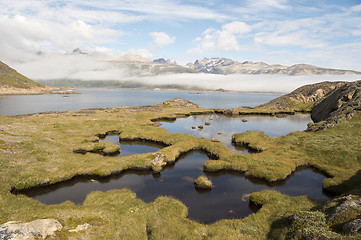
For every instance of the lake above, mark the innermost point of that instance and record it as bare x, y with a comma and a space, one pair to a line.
108, 98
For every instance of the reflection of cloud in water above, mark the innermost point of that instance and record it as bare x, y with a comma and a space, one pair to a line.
271, 126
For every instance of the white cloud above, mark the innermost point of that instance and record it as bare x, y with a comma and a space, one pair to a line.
225, 39
161, 39
267, 4
240, 82
305, 33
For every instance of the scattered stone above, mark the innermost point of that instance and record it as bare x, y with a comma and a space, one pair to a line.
80, 228
40, 228
207, 123
203, 182
200, 127
220, 133
345, 211
158, 159
353, 227
193, 127
244, 120
231, 112
310, 225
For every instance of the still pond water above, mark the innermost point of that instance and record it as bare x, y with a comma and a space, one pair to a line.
222, 127
107, 98
228, 199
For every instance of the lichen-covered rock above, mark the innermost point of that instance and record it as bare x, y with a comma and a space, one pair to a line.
353, 227
343, 210
80, 228
310, 225
40, 228
158, 159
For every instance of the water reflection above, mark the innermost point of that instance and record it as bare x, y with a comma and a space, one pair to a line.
128, 148
228, 198
108, 98
223, 127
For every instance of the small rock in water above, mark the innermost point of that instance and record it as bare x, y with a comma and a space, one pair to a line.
220, 133
193, 127
244, 120
200, 127
207, 123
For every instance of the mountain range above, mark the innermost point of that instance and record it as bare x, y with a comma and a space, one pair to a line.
139, 66
229, 66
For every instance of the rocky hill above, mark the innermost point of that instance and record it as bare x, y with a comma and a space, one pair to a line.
328, 102
12, 82
303, 98
228, 66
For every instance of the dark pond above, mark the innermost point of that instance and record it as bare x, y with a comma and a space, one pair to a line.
227, 126
133, 147
107, 98
228, 198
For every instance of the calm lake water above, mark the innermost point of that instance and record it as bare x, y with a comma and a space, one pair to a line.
107, 98
227, 126
132, 147
228, 199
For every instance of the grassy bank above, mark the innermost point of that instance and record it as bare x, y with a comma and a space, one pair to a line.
38, 149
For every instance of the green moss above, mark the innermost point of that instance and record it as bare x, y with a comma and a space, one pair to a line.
203, 182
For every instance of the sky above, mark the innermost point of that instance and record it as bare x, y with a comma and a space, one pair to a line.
325, 33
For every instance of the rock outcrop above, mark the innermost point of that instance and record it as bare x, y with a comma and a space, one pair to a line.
339, 104
337, 219
304, 97
40, 228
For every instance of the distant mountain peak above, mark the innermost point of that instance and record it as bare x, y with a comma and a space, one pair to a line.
220, 65
77, 51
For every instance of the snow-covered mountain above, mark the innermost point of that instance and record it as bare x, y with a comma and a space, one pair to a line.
228, 66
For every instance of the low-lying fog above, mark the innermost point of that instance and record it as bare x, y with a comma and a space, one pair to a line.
88, 67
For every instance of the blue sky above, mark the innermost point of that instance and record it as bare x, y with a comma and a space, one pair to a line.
323, 33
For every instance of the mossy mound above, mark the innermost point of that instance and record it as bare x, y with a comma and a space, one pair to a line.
203, 182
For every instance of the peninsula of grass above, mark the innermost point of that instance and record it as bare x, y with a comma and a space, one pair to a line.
38, 149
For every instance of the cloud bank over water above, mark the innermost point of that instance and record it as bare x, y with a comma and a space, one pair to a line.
246, 83
98, 67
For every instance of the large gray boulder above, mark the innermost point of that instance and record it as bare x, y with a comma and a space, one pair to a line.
40, 228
